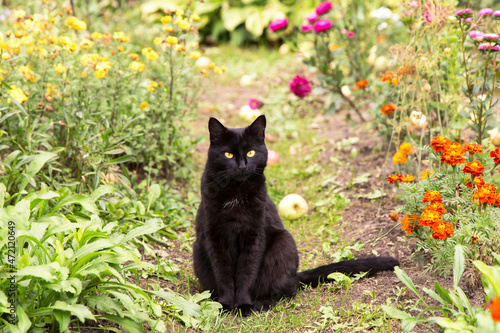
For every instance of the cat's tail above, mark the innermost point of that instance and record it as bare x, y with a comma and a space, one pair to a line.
371, 265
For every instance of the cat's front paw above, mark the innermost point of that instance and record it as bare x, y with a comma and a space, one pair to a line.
245, 310
227, 303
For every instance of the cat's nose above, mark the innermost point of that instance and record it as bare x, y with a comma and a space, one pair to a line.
242, 167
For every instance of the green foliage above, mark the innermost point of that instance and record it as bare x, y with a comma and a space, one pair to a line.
457, 313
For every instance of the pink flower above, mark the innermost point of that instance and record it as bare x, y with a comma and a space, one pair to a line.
413, 4
343, 31
323, 7
300, 86
278, 24
312, 17
496, 13
485, 11
408, 13
322, 25
350, 34
490, 36
306, 27
428, 16
464, 13
489, 46
468, 20
255, 103
476, 34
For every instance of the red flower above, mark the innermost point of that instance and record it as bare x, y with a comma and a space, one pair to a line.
300, 86
486, 194
495, 155
388, 109
362, 84
432, 196
429, 218
495, 308
394, 178
442, 230
437, 207
473, 148
478, 182
440, 143
453, 155
475, 168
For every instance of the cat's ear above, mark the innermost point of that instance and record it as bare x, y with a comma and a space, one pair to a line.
258, 128
217, 130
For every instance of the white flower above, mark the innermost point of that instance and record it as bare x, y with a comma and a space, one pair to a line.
382, 13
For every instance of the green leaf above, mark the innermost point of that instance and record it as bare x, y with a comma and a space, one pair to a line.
344, 280
443, 293
151, 226
63, 318
154, 193
395, 313
77, 310
24, 322
100, 191
188, 308
255, 23
81, 199
44, 272
458, 266
489, 274
34, 167
232, 17
434, 295
94, 247
128, 325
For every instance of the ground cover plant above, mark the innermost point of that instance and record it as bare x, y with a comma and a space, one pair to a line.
103, 139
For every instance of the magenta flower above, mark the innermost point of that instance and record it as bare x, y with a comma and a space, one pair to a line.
496, 13
489, 46
300, 86
255, 103
464, 13
312, 17
476, 34
350, 34
323, 7
322, 25
278, 24
485, 11
468, 20
490, 36
306, 27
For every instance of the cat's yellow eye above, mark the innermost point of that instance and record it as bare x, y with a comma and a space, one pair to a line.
228, 155
251, 153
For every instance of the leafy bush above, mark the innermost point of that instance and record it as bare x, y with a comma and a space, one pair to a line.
453, 204
458, 314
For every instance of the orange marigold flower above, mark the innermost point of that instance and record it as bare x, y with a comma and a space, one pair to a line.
454, 154
362, 84
440, 143
426, 173
405, 148
475, 168
495, 308
387, 77
394, 216
407, 225
394, 178
495, 155
388, 109
442, 230
408, 178
399, 158
437, 207
403, 70
486, 194
429, 218
473, 148
432, 196
478, 182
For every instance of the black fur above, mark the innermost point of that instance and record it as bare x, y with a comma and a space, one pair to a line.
242, 253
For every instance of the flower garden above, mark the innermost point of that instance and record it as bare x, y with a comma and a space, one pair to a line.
384, 115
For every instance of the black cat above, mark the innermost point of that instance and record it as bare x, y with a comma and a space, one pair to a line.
242, 253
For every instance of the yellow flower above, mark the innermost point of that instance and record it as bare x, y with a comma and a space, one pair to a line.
60, 69
223, 69
158, 40
195, 45
96, 35
136, 66
195, 17
172, 40
333, 47
100, 74
144, 105
408, 178
83, 74
64, 40
218, 70
121, 48
89, 60
133, 56
426, 173
169, 29
150, 54
75, 23
405, 148
399, 158
71, 47
18, 94
204, 72
166, 19
195, 54
152, 86
184, 24
86, 44
104, 66
179, 12
179, 48
121, 37
212, 65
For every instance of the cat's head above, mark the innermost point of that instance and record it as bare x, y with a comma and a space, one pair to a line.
237, 153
